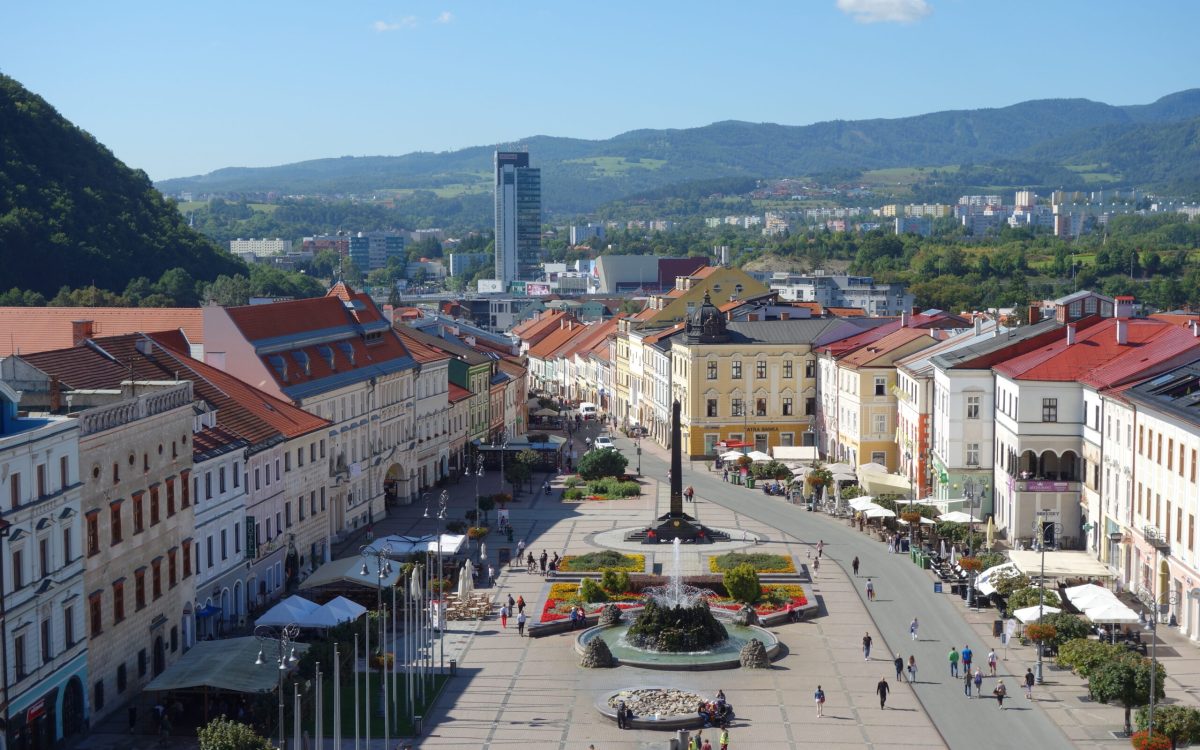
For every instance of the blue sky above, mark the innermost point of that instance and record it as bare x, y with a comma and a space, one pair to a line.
183, 88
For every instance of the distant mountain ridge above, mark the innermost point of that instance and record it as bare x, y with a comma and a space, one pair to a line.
580, 174
72, 214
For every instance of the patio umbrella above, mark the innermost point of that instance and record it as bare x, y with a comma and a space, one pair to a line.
759, 456
731, 456
1032, 614
843, 468
466, 583
844, 476
954, 555
942, 549
862, 503
879, 512
483, 552
872, 467
991, 533
957, 516
1111, 612
545, 413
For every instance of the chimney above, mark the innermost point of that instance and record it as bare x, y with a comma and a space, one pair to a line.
978, 326
80, 330
1122, 331
1070, 334
904, 319
1196, 328
1124, 307
1035, 313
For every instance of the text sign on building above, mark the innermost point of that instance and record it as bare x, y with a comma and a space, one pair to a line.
251, 538
1042, 486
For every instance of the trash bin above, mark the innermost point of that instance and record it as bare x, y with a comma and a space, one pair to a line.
926, 562
937, 587
962, 591
453, 667
904, 545
750, 482
997, 628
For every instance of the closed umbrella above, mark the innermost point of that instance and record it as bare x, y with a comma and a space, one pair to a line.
942, 549
483, 552
466, 583
991, 533
954, 555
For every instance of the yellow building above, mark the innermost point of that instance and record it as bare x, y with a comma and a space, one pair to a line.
720, 284
752, 382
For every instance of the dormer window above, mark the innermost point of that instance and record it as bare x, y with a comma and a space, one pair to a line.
327, 354
279, 365
302, 360
347, 350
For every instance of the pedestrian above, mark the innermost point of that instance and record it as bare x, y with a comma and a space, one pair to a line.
521, 624
953, 659
511, 603
491, 575
966, 657
967, 684
689, 493
696, 740
724, 739
543, 560
725, 476
866, 646
912, 669
882, 691
991, 657
870, 591
899, 667
816, 566
520, 549
978, 681
819, 697
521, 605
1000, 691
854, 565
504, 610
912, 628
622, 716
820, 548
1029, 684
707, 745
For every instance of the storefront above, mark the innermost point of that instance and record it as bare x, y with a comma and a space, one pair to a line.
51, 711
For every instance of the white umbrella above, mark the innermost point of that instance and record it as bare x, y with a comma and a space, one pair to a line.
759, 456
942, 549
483, 552
879, 512
1089, 595
872, 467
1111, 612
843, 468
465, 583
731, 456
1032, 614
843, 476
861, 503
957, 516
954, 555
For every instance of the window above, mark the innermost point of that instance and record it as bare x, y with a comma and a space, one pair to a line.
712, 370
44, 556
209, 546
299, 457
143, 663
973, 407
14, 490
1193, 478
224, 544
187, 557
172, 568
1170, 454
787, 368
1181, 458
18, 569
208, 485
1141, 450
118, 601
287, 461
170, 497
116, 472
98, 695
93, 533
880, 386
810, 368
47, 642
156, 577
19, 656
64, 472
138, 524
41, 481
787, 438
787, 406
139, 588
810, 406
121, 678
760, 407
96, 613
237, 477
287, 508
257, 478
1049, 410
237, 536
221, 480
66, 541
711, 407
879, 423
154, 518
760, 369
114, 522
184, 488
737, 368
879, 457
322, 499
69, 626
972, 454
738, 408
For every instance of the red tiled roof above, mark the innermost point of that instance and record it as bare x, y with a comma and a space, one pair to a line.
658, 336
539, 327
865, 355
1179, 319
458, 393
420, 351
596, 332
844, 312
258, 322
919, 321
1097, 357
556, 340
38, 329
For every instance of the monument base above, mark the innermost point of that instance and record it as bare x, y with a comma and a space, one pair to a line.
682, 527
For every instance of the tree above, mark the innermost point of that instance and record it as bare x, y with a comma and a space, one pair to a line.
741, 583
229, 291
1126, 680
517, 473
606, 462
225, 734
1083, 655
1178, 723
179, 285
1068, 626
324, 263
1029, 597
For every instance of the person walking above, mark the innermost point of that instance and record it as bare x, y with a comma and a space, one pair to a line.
870, 591
520, 549
724, 739
707, 745
912, 628
521, 605
725, 476
521, 624
491, 575
1000, 691
504, 610
820, 548
690, 494
899, 662
1029, 684
912, 669
991, 658
953, 659
819, 697
967, 684
543, 560
966, 657
816, 566
866, 646
854, 565
978, 680
882, 691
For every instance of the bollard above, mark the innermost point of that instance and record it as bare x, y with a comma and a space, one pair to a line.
453, 667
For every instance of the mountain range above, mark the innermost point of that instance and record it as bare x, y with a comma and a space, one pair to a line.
1149, 146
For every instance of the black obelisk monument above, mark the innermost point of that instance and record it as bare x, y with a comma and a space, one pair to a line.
676, 463
676, 524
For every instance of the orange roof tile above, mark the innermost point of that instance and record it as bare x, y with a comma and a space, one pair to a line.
419, 350
1097, 357
865, 355
458, 393
557, 340
38, 329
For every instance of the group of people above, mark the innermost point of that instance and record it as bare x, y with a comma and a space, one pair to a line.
506, 611
544, 563
715, 711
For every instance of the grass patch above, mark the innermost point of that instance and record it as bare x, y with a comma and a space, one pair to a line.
616, 166
761, 562
606, 559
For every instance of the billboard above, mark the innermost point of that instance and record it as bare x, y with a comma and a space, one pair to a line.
490, 286
536, 289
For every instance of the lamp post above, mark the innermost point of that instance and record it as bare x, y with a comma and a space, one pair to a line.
502, 441
383, 568
478, 476
969, 489
638, 443
1040, 526
283, 639
1161, 546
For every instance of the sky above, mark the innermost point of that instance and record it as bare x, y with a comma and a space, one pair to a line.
179, 89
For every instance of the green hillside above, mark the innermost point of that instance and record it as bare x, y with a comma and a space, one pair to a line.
72, 214
579, 175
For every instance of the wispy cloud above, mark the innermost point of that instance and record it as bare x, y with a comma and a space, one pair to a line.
407, 22
444, 17
885, 11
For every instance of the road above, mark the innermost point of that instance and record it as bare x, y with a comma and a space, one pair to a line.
903, 591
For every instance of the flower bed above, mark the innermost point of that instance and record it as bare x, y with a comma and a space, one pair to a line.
776, 598
564, 596
608, 560
762, 563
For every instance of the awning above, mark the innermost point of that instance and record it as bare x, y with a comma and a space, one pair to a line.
333, 613
1060, 564
208, 611
794, 453
290, 611
957, 516
1034, 613
871, 468
348, 572
924, 521
402, 546
878, 512
227, 664
983, 582
882, 483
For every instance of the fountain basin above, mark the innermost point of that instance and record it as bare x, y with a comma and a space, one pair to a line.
651, 716
724, 655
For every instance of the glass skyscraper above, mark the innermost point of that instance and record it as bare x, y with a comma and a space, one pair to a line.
518, 190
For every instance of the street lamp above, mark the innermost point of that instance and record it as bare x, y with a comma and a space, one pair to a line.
1161, 546
969, 489
284, 641
383, 568
478, 476
502, 441
1041, 526
638, 442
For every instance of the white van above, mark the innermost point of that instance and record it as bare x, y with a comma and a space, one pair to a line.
587, 410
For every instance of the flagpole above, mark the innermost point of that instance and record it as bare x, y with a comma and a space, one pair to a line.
317, 723
354, 674
337, 697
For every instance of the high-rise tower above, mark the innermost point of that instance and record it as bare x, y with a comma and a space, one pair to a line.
518, 190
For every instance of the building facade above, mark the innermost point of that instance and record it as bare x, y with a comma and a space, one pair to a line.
518, 199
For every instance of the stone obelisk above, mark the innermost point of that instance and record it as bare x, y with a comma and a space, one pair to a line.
676, 463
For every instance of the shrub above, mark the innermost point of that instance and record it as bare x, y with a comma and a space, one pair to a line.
1144, 741
1083, 655
1028, 597
742, 583
573, 494
456, 527
224, 734
478, 532
991, 559
572, 482
1178, 723
626, 489
383, 661
604, 560
1009, 581
607, 462
1068, 627
770, 470
590, 591
616, 581
501, 499
760, 561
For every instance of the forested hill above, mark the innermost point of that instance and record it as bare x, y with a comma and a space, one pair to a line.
72, 214
579, 174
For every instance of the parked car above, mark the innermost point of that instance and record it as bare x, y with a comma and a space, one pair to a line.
605, 441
